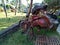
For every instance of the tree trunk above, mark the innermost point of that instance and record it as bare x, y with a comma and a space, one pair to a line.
19, 6
16, 1
4, 7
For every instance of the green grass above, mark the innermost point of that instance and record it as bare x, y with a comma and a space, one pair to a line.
15, 39
6, 22
10, 20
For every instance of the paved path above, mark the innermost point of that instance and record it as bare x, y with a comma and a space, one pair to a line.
44, 40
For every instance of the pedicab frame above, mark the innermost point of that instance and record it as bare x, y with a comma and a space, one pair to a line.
26, 26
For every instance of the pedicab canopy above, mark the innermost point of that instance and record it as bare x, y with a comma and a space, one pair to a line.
38, 6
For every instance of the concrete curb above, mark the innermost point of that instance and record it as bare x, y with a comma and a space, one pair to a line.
11, 29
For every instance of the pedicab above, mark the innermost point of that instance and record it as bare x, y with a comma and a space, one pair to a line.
37, 19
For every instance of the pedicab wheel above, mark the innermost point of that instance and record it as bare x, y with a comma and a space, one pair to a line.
30, 34
23, 26
20, 23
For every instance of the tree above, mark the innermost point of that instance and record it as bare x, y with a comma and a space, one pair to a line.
52, 3
7, 1
19, 6
27, 2
16, 2
12, 2
4, 6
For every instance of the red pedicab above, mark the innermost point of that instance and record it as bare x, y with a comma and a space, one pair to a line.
36, 21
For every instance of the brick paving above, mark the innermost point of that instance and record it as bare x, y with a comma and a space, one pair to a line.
44, 40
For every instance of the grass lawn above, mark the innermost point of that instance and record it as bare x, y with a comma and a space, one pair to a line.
15, 39
11, 19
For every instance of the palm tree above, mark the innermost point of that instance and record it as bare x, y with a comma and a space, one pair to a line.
4, 6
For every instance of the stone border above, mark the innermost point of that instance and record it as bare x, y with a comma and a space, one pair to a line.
11, 29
